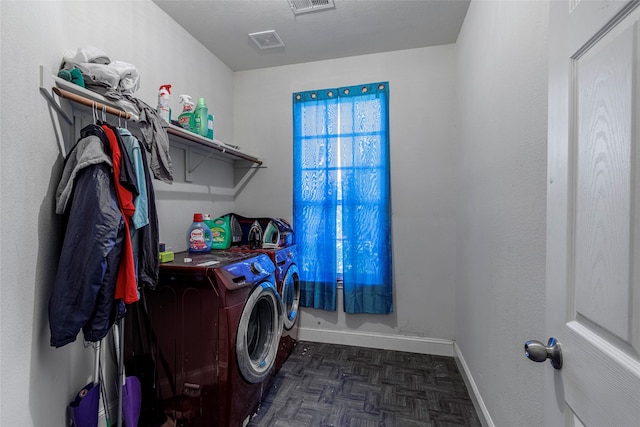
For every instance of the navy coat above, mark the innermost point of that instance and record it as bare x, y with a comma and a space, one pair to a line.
83, 289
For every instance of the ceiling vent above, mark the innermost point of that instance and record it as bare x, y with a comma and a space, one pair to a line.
267, 39
304, 6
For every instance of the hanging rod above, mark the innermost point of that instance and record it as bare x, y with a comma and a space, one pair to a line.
171, 129
50, 83
90, 103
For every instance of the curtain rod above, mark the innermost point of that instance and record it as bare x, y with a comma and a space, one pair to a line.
90, 103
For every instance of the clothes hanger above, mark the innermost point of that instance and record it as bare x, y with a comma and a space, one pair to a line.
95, 129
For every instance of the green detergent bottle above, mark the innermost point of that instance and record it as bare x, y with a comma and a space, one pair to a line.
220, 233
207, 220
201, 117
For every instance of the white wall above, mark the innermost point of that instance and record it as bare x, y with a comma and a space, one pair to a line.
37, 380
423, 180
500, 282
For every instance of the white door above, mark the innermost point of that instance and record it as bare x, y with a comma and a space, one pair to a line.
593, 213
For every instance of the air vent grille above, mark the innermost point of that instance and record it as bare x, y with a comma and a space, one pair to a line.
267, 39
304, 6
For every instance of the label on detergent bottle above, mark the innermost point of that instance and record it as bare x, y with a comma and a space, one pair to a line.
218, 235
198, 240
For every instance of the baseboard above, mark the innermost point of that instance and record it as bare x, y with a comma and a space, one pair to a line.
423, 345
474, 393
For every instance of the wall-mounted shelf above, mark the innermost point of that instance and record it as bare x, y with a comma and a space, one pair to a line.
200, 141
56, 89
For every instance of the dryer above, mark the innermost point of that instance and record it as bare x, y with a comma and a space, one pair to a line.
288, 285
215, 321
284, 253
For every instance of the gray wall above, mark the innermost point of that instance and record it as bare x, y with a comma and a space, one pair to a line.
500, 265
423, 180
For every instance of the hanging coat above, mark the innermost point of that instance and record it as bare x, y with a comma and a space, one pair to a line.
83, 289
126, 284
149, 237
145, 218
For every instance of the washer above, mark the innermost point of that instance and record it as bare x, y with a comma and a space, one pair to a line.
216, 322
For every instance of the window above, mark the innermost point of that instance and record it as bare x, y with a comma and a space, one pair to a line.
342, 197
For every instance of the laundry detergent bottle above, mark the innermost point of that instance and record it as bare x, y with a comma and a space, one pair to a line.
221, 233
207, 220
186, 118
201, 117
199, 235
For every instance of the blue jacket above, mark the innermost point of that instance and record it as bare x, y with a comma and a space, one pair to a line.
83, 289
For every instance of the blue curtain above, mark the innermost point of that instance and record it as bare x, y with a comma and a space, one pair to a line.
341, 170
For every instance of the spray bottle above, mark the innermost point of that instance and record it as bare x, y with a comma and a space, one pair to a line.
164, 102
186, 118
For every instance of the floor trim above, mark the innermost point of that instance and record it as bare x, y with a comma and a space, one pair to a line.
474, 393
423, 345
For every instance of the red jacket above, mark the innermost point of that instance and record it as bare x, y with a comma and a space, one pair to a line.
126, 284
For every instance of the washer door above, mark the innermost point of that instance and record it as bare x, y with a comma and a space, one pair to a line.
259, 333
291, 296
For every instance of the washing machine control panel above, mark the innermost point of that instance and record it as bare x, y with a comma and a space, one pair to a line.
257, 269
248, 272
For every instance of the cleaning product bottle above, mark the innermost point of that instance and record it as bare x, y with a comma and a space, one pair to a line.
186, 118
207, 220
200, 117
199, 235
221, 233
164, 102
210, 127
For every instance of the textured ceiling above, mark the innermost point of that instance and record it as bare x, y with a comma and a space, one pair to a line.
353, 27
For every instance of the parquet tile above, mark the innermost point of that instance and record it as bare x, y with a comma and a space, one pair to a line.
323, 385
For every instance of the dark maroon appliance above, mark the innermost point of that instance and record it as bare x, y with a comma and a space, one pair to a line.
288, 285
215, 323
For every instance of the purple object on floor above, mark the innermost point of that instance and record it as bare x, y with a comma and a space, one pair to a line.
83, 411
131, 401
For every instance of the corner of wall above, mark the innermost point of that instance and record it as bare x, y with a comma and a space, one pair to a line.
472, 388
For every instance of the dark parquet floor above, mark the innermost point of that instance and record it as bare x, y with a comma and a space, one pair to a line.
323, 385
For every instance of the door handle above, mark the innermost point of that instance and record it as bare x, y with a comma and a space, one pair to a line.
538, 352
